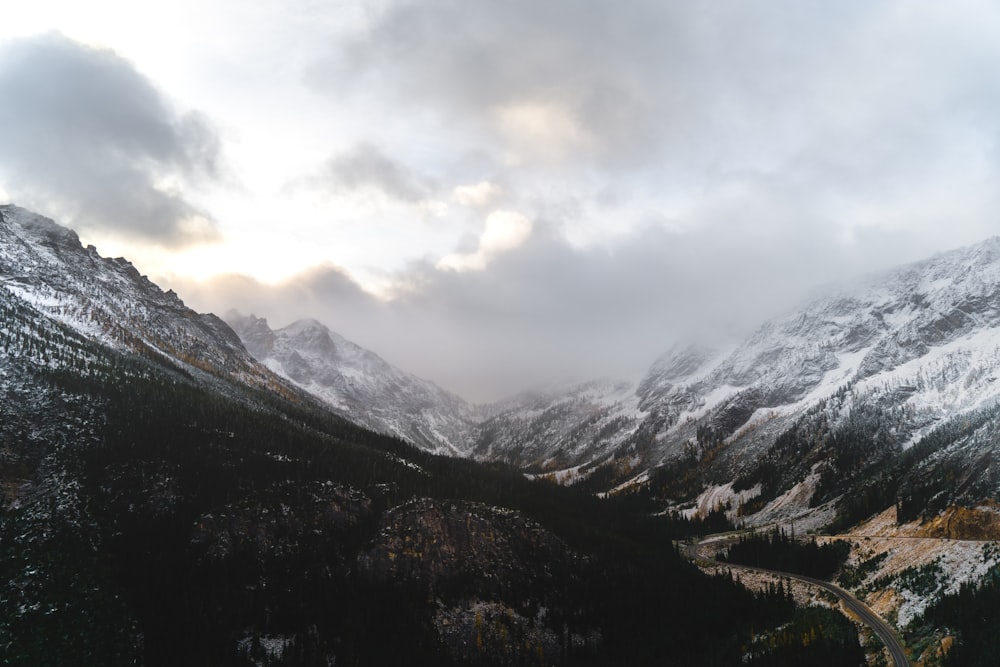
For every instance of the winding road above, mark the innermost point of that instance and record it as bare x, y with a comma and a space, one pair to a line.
856, 606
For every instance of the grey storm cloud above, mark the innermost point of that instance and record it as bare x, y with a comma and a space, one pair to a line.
853, 99
633, 77
85, 136
326, 293
366, 166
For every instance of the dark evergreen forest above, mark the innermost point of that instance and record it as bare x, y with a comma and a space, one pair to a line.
177, 520
777, 550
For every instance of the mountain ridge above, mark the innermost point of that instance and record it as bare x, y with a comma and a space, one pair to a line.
165, 499
166, 494
357, 383
921, 340
878, 339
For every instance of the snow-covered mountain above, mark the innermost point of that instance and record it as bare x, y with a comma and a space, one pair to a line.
929, 332
165, 497
563, 430
857, 378
858, 382
44, 266
899, 354
882, 393
359, 384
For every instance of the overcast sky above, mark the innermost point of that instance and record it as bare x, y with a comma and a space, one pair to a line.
495, 193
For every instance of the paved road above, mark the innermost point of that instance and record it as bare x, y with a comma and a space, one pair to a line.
859, 608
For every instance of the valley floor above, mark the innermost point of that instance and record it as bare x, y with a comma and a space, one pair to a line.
899, 570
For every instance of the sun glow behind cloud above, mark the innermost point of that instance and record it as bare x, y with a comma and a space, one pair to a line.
541, 131
504, 231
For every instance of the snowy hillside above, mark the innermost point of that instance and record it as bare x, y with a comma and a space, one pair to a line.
929, 332
882, 394
849, 383
107, 300
359, 384
562, 431
912, 348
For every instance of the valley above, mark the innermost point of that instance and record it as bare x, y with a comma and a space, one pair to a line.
180, 488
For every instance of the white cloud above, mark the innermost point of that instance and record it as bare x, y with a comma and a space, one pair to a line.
90, 139
689, 163
543, 131
477, 195
504, 231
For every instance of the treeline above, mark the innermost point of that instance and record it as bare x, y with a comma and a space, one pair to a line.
817, 636
156, 454
917, 483
972, 616
855, 444
844, 433
777, 550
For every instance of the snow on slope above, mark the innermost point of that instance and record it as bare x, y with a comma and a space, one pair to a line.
44, 265
546, 430
927, 336
563, 429
930, 330
359, 384
924, 339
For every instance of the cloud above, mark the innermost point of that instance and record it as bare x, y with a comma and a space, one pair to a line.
478, 195
84, 136
316, 292
541, 309
504, 231
593, 181
570, 80
851, 99
366, 167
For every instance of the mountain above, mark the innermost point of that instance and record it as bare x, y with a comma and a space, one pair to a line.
922, 341
44, 266
867, 376
561, 431
359, 384
857, 377
167, 499
554, 429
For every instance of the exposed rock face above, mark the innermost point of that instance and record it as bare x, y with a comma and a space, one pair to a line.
963, 523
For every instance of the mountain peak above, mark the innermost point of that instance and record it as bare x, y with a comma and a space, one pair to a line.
306, 324
38, 226
358, 384
45, 266
257, 336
